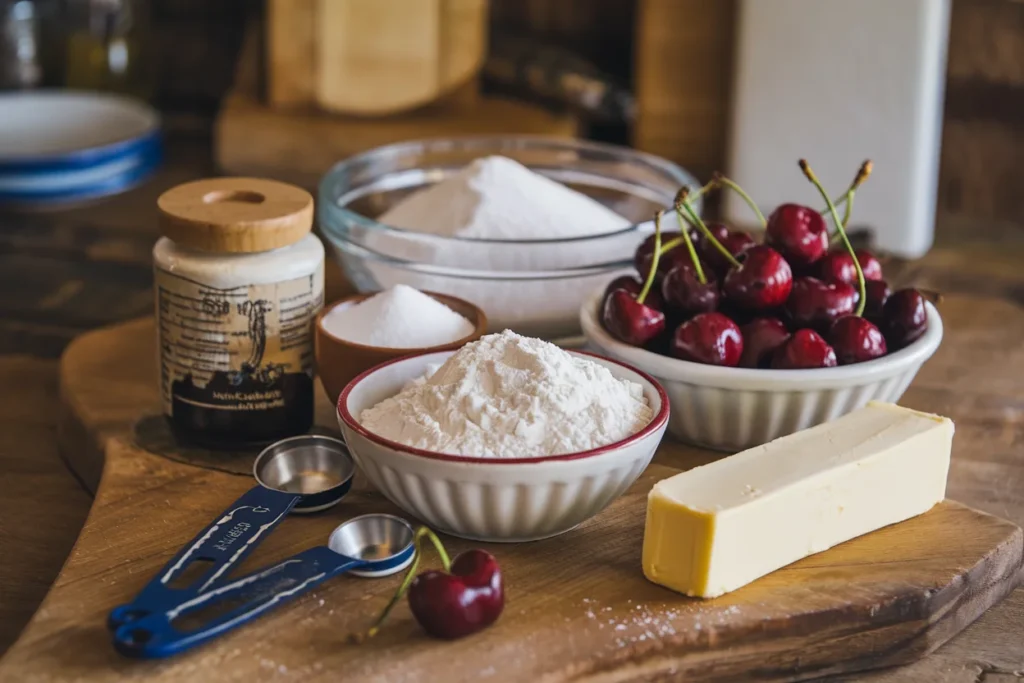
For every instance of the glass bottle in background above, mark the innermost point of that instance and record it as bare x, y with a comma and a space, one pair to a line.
106, 46
20, 53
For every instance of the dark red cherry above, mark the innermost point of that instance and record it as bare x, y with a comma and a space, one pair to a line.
709, 338
818, 304
837, 266
804, 350
684, 294
634, 287
662, 343
878, 293
465, 601
763, 280
904, 318
645, 252
856, 340
736, 241
630, 321
761, 338
799, 233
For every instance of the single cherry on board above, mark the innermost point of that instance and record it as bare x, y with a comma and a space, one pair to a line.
709, 338
456, 604
856, 340
904, 318
736, 241
797, 232
763, 280
761, 339
684, 294
630, 321
837, 266
818, 304
805, 350
634, 286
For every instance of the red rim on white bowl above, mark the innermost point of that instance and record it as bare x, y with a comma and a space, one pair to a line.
659, 420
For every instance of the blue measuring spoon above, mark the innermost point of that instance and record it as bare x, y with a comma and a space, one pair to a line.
301, 474
371, 545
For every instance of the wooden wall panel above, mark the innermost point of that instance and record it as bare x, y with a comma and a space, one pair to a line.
987, 41
599, 30
982, 167
683, 77
290, 68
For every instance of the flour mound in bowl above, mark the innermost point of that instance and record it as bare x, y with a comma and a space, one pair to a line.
508, 396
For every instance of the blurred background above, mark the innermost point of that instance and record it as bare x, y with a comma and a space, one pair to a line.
933, 90
658, 74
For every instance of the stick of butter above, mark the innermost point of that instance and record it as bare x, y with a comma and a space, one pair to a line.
718, 527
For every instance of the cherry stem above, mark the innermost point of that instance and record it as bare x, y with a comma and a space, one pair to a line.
701, 278
718, 177
704, 189
849, 208
931, 295
806, 168
683, 204
863, 173
654, 261
421, 533
848, 198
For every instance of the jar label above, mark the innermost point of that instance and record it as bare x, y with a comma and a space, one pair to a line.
237, 361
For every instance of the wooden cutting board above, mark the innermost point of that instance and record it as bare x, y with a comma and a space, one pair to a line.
300, 145
371, 57
578, 605
378, 57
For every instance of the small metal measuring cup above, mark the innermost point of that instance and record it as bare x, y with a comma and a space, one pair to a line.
371, 545
301, 474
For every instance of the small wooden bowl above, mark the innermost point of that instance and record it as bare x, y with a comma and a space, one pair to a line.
338, 361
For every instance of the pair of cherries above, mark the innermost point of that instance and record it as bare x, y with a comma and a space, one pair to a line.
789, 303
467, 596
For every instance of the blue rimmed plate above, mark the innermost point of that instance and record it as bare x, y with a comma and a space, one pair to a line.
67, 146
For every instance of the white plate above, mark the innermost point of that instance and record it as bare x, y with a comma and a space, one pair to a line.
48, 127
59, 146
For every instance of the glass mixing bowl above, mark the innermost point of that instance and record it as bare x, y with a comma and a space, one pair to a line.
532, 286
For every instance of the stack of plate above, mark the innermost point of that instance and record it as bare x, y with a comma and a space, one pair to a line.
59, 147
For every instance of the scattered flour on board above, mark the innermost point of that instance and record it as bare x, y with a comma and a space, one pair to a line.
398, 318
508, 396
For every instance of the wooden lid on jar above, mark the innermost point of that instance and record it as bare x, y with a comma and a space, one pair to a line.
235, 215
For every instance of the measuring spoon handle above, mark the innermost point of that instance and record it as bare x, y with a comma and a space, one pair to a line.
224, 543
157, 635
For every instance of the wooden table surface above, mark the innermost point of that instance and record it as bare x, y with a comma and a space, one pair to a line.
64, 273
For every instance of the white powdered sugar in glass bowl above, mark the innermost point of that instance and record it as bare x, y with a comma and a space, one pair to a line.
497, 198
508, 396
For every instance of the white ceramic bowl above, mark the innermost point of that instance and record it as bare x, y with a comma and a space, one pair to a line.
488, 499
731, 409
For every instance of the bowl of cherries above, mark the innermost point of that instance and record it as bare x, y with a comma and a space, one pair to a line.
754, 340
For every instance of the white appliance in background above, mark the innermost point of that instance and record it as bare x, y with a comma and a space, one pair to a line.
837, 82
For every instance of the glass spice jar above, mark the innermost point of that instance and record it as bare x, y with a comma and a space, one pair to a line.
20, 61
238, 279
106, 47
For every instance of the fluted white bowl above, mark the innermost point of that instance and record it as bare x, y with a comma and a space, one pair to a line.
491, 499
731, 409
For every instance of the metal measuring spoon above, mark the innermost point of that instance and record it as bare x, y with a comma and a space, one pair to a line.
300, 474
371, 545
